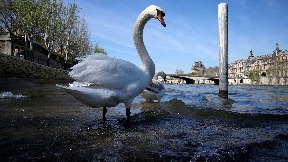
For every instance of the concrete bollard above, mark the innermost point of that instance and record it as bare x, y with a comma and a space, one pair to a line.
223, 48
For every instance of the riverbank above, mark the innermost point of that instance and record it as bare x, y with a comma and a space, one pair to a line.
13, 67
47, 124
12, 84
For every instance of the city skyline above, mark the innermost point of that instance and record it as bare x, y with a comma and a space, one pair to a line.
191, 34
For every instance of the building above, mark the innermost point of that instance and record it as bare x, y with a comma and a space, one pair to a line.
266, 69
198, 68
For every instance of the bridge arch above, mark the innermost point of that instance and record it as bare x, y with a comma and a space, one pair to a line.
195, 79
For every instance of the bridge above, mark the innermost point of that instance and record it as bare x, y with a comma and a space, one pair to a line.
188, 79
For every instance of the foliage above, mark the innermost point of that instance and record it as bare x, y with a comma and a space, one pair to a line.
7, 15
30, 19
59, 25
193, 73
98, 49
54, 26
80, 44
254, 75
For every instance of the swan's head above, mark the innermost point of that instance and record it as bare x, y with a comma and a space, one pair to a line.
157, 13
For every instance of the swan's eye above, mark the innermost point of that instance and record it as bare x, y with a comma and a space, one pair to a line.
160, 12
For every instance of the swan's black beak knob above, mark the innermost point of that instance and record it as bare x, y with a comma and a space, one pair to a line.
160, 15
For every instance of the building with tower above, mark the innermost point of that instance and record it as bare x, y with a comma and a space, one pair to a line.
198, 68
266, 69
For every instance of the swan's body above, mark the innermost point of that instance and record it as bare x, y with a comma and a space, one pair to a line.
155, 90
102, 81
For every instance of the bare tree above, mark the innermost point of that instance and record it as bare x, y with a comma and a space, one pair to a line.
212, 71
179, 72
80, 40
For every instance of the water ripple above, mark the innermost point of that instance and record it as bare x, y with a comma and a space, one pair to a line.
241, 99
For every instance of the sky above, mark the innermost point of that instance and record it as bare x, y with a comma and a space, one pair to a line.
191, 33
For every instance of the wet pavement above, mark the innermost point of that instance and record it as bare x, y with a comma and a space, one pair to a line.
47, 124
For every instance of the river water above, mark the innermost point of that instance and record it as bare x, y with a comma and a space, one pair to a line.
41, 122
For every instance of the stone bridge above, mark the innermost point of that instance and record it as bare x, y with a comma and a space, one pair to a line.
188, 79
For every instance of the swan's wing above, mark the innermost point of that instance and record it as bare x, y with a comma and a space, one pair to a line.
152, 88
105, 71
93, 95
155, 86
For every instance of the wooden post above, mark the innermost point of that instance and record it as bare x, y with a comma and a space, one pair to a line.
223, 48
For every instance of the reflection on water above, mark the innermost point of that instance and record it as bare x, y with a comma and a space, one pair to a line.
10, 95
192, 123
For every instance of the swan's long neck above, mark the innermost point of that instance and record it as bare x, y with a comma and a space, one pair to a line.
156, 76
161, 73
147, 62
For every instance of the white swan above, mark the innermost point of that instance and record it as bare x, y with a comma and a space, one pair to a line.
102, 81
155, 90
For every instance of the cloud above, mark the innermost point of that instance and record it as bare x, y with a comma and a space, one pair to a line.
192, 30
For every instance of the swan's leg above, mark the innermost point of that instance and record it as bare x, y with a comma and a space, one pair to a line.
128, 112
104, 113
128, 105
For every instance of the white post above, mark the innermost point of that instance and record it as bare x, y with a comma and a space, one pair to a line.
223, 48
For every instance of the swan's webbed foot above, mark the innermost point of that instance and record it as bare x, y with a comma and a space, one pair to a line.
104, 113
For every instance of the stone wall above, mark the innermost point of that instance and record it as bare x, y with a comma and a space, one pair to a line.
10, 66
10, 42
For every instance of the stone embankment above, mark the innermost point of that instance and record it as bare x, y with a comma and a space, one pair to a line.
11, 66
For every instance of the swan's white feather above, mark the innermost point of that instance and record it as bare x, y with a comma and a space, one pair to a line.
102, 81
154, 91
94, 96
117, 74
150, 96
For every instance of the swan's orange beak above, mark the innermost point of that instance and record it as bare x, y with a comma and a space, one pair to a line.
160, 18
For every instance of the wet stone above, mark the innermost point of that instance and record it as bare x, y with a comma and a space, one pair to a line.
50, 125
